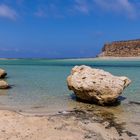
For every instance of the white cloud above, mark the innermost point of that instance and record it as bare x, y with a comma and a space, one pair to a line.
7, 12
120, 6
50, 10
81, 6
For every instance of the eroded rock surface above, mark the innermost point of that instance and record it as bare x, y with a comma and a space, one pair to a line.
96, 85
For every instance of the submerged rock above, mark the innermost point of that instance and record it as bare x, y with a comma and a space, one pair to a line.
96, 85
4, 85
2, 73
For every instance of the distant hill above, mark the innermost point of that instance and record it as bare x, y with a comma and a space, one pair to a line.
125, 48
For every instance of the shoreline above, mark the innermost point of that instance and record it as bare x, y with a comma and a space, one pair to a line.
94, 58
75, 124
109, 58
119, 58
80, 123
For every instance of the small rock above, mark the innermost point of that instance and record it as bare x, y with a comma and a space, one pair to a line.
4, 85
2, 73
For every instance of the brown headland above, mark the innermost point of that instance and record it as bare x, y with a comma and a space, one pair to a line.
126, 48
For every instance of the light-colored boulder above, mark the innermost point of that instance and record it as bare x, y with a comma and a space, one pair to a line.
2, 73
4, 85
96, 85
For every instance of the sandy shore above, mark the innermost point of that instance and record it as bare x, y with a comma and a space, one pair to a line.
83, 59
118, 58
73, 125
102, 58
110, 58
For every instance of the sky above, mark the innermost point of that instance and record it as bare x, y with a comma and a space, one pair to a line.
65, 28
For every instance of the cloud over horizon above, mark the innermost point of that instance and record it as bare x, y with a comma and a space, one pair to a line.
7, 12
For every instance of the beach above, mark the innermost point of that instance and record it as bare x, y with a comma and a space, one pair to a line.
104, 58
63, 126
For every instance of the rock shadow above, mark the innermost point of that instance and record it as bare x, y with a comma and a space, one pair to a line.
95, 102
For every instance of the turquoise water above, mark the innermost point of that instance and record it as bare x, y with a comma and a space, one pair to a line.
40, 85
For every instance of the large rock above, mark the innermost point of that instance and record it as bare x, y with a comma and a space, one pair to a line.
2, 73
96, 85
4, 85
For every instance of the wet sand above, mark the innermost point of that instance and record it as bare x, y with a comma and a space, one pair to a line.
75, 124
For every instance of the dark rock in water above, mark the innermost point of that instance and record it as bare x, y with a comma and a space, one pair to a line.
4, 85
96, 85
2, 73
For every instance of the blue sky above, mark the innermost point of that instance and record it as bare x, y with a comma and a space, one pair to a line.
65, 28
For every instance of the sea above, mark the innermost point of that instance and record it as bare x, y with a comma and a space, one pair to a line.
39, 85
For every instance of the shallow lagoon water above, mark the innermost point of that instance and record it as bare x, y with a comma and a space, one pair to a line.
39, 85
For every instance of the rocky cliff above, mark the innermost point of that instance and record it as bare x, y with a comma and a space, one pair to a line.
130, 48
